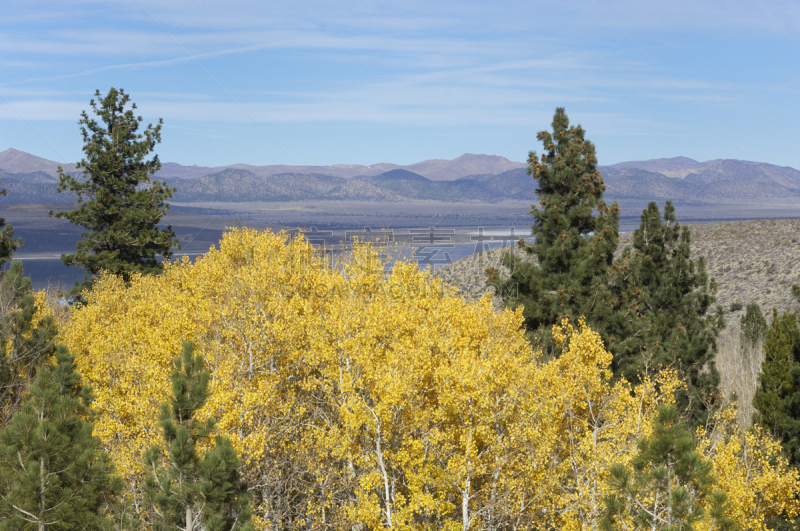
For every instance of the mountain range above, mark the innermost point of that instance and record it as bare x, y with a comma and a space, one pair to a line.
31, 179
12, 160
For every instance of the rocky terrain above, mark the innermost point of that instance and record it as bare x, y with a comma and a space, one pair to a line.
751, 261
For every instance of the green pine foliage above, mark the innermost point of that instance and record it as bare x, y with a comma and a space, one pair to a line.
668, 485
663, 311
753, 325
576, 234
120, 205
654, 307
54, 474
777, 399
25, 345
185, 490
7, 242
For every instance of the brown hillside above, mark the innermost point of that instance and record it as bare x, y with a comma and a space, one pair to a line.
751, 261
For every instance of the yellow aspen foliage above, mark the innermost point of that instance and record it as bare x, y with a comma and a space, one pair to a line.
752, 469
576, 424
42, 307
48, 304
357, 397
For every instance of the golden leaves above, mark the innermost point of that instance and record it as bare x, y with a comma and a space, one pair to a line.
752, 469
353, 395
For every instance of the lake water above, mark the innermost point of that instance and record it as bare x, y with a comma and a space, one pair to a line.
45, 272
50, 271
432, 249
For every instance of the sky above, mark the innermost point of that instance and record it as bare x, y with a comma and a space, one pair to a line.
318, 83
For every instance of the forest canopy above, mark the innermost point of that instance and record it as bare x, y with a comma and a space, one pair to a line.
356, 396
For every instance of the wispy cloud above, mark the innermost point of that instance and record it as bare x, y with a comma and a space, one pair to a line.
481, 70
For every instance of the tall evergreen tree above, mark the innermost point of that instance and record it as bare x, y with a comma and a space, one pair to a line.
668, 486
120, 204
777, 399
576, 234
25, 344
651, 306
663, 311
53, 472
191, 492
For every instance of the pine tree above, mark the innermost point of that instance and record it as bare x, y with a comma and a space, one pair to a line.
53, 472
190, 492
668, 485
120, 205
25, 344
662, 311
651, 306
576, 235
777, 400
753, 325
7, 242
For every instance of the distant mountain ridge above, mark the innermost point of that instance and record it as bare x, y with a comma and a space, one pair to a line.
684, 178
660, 165
678, 178
12, 160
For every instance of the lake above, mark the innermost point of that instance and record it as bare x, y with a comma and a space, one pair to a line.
49, 271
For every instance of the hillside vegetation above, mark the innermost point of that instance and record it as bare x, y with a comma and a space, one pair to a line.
389, 401
750, 261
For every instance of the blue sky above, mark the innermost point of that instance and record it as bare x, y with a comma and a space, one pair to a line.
298, 82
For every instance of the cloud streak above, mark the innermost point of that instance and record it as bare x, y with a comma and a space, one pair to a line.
473, 68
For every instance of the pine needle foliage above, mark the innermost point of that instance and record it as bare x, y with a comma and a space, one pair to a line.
120, 204
753, 325
654, 307
576, 234
188, 491
777, 400
8, 244
27, 340
54, 474
664, 312
667, 486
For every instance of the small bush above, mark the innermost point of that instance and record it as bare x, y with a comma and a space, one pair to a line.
754, 326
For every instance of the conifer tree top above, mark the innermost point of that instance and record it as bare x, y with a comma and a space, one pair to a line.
118, 148
570, 190
567, 175
575, 231
120, 204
